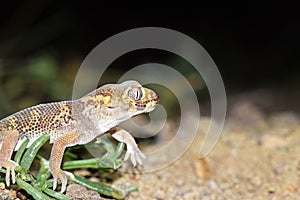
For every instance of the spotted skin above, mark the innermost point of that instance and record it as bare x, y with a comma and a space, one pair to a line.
39, 120
76, 122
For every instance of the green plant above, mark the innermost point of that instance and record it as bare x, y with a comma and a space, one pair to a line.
39, 186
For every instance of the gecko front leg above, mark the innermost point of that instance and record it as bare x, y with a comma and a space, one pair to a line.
9, 140
59, 146
132, 148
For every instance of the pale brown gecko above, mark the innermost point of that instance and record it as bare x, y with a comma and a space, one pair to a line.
76, 122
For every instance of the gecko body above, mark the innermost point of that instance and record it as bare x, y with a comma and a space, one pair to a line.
76, 122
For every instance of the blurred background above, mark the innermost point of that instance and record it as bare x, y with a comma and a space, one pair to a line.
42, 44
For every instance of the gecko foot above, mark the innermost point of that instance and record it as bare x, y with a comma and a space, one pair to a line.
10, 170
62, 176
135, 155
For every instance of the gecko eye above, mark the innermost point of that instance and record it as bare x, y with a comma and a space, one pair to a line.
135, 93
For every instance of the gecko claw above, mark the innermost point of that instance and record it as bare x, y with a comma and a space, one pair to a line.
62, 176
10, 171
135, 155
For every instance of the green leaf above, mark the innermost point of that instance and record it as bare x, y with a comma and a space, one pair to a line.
21, 150
44, 172
109, 160
32, 151
56, 195
70, 155
78, 164
35, 193
100, 188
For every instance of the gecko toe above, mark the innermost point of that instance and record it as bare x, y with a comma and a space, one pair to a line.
10, 171
7, 176
133, 160
127, 155
139, 160
139, 157
54, 183
63, 185
135, 155
62, 176
13, 176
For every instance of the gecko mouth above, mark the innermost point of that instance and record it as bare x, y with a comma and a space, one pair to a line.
151, 109
149, 104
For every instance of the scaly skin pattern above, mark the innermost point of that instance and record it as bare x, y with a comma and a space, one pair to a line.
76, 122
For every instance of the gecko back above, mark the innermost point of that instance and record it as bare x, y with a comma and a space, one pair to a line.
39, 120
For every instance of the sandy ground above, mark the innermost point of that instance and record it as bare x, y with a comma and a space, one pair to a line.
243, 165
257, 157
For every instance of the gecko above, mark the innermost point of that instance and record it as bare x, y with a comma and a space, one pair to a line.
76, 122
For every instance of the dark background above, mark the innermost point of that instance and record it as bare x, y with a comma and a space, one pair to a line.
42, 44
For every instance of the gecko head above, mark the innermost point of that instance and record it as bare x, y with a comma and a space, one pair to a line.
136, 98
120, 101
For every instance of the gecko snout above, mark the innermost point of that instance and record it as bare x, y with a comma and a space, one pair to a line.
155, 97
153, 101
